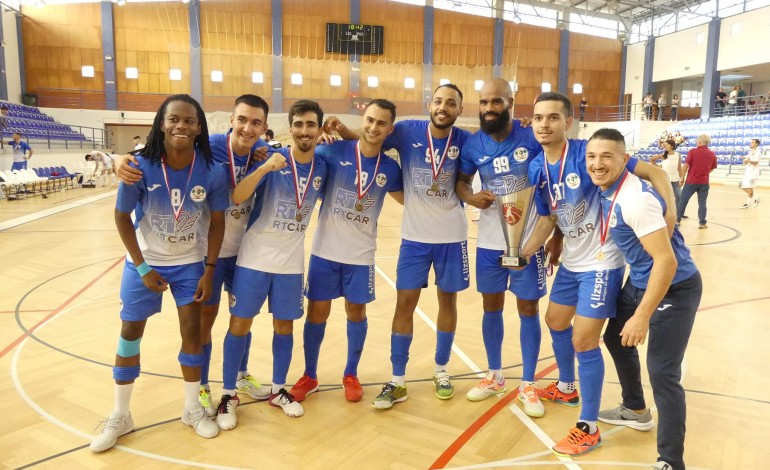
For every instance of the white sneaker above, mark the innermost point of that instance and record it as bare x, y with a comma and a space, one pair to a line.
251, 387
203, 425
285, 400
226, 418
745, 206
528, 397
486, 388
204, 397
114, 427
662, 466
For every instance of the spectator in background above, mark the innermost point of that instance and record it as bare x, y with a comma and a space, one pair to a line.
138, 145
671, 162
270, 138
661, 105
105, 166
700, 162
20, 149
3, 123
721, 100
751, 160
583, 105
674, 107
732, 101
679, 139
741, 100
647, 102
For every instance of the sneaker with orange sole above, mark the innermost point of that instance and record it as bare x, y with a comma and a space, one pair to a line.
304, 387
578, 441
353, 390
552, 393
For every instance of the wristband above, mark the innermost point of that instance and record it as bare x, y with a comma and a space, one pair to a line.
213, 265
143, 269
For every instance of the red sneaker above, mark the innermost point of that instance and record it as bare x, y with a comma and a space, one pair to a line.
552, 393
304, 387
353, 390
578, 441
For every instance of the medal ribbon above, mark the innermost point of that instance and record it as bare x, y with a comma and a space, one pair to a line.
561, 174
435, 170
362, 191
178, 211
299, 192
604, 228
231, 158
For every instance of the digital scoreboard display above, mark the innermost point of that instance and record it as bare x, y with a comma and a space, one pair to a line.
359, 39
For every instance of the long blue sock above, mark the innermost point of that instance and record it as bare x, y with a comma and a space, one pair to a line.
234, 348
399, 352
313, 336
591, 373
282, 346
356, 338
529, 336
206, 364
245, 360
565, 354
493, 330
444, 340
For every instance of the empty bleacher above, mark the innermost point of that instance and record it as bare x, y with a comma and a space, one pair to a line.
31, 123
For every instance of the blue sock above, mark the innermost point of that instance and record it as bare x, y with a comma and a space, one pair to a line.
565, 354
313, 336
529, 337
493, 330
245, 360
591, 373
206, 364
356, 339
282, 346
399, 352
444, 342
233, 354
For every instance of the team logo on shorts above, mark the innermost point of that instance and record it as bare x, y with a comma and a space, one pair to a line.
198, 194
572, 180
453, 152
613, 220
511, 213
232, 300
521, 154
381, 179
317, 183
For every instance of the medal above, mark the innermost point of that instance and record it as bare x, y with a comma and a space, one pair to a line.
359, 207
359, 187
553, 218
553, 198
435, 169
177, 211
300, 193
604, 228
236, 215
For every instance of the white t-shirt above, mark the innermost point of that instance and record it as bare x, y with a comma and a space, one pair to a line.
106, 160
752, 171
671, 166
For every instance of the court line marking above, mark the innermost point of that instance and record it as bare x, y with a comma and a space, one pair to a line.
15, 222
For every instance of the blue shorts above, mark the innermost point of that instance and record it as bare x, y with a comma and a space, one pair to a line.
594, 293
526, 284
223, 275
252, 287
140, 303
19, 165
449, 260
328, 280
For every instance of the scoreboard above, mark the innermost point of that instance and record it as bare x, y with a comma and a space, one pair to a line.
359, 39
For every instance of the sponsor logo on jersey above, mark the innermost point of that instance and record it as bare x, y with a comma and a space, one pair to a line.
345, 206
572, 180
198, 194
232, 300
600, 289
285, 172
484, 158
453, 152
521, 154
381, 179
613, 220
317, 183
346, 163
664, 307
416, 145
153, 187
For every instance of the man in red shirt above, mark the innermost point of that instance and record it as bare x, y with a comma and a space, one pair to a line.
699, 163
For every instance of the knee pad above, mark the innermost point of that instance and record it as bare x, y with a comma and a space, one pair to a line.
128, 348
191, 360
125, 374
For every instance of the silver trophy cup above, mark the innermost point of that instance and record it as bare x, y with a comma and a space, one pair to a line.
514, 214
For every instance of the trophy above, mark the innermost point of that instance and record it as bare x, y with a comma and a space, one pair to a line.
514, 214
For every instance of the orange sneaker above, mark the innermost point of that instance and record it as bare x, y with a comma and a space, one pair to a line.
552, 393
578, 441
304, 387
353, 390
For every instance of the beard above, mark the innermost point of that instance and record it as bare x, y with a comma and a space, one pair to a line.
496, 125
440, 126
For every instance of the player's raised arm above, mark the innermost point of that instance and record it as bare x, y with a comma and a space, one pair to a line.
247, 185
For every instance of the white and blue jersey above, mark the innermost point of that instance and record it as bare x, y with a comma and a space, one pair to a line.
639, 211
502, 168
347, 224
427, 206
236, 215
578, 208
168, 217
20, 149
274, 240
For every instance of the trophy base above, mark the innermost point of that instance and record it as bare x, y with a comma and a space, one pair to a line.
513, 261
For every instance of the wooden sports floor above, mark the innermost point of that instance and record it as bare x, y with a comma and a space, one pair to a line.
60, 265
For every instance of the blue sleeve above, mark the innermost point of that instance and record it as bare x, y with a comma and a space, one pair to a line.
631, 164
129, 194
324, 151
392, 141
25, 146
219, 196
467, 165
536, 178
396, 181
260, 143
